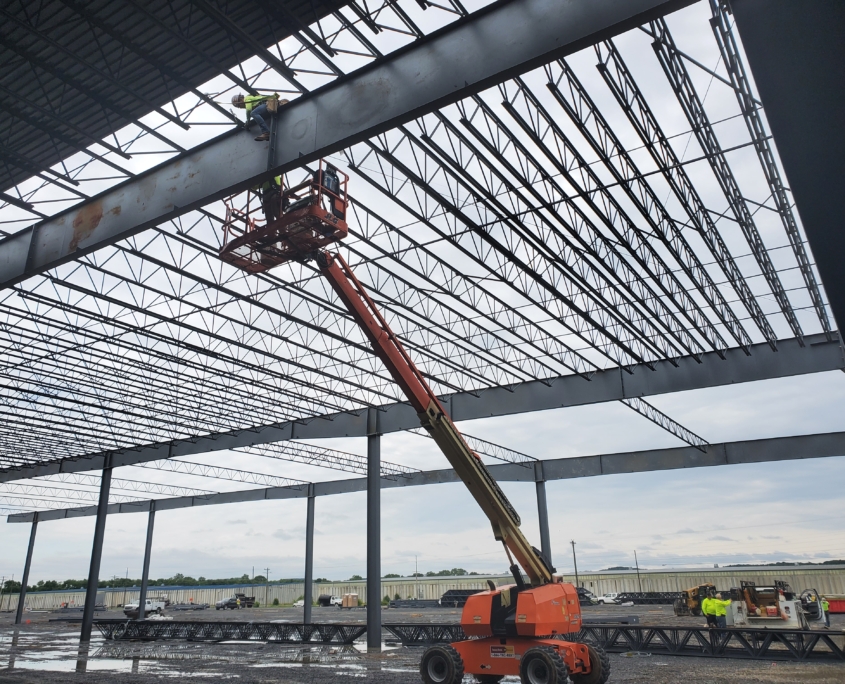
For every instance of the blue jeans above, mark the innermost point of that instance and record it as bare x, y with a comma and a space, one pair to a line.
258, 114
721, 621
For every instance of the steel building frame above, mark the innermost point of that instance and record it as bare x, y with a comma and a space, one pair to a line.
520, 250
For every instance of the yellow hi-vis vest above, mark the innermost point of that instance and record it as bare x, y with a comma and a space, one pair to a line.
721, 607
707, 606
252, 101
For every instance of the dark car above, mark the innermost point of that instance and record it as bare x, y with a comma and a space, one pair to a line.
232, 602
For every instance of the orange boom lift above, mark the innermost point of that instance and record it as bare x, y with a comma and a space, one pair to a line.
515, 629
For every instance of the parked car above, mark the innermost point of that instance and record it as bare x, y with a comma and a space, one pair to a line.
586, 597
609, 598
232, 602
299, 604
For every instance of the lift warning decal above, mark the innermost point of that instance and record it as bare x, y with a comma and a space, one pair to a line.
502, 652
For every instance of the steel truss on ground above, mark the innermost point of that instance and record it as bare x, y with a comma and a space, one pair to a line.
291, 633
753, 644
510, 238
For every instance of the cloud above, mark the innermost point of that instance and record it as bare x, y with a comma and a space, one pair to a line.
720, 538
772, 536
236, 522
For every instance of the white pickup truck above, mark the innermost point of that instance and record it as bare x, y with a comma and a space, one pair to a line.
157, 606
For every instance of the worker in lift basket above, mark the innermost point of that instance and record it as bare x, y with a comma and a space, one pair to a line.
270, 193
256, 108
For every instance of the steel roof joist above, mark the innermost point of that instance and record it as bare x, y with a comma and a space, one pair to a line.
815, 356
825, 445
429, 73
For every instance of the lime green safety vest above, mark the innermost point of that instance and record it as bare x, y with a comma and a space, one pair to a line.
721, 607
825, 605
252, 101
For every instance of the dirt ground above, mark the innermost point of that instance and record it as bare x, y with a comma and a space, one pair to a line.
47, 652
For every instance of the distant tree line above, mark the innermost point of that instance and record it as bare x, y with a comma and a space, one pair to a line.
454, 572
757, 565
178, 580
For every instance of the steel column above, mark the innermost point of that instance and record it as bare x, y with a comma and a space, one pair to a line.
145, 573
373, 531
96, 555
25, 578
543, 512
309, 556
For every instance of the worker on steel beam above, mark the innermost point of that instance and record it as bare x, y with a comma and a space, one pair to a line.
257, 108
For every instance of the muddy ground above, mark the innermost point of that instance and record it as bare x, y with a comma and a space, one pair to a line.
46, 651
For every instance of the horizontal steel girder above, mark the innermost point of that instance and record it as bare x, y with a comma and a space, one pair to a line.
495, 43
791, 359
729, 453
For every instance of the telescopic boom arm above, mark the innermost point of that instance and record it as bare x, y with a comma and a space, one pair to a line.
434, 418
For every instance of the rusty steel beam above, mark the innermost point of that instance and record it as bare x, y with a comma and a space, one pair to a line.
488, 46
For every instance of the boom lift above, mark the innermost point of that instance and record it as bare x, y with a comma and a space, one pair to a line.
513, 629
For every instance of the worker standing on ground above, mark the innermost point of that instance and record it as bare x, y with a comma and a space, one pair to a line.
256, 108
709, 611
826, 609
721, 608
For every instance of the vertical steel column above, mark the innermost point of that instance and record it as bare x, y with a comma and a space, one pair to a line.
96, 554
373, 532
309, 556
543, 512
145, 573
25, 578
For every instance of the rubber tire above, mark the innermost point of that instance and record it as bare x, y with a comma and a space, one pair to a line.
696, 612
555, 667
598, 675
450, 661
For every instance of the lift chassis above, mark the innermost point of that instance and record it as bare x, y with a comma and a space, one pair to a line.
515, 629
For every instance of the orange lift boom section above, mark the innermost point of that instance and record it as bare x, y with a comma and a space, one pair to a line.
508, 623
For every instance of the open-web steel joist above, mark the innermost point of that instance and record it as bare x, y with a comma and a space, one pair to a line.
513, 231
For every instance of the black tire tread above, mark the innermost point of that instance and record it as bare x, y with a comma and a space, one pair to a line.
450, 653
561, 671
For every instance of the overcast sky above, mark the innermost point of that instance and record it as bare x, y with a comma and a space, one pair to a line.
765, 512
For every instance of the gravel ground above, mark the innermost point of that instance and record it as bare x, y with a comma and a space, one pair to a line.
46, 652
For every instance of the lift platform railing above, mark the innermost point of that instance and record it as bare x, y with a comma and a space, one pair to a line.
287, 224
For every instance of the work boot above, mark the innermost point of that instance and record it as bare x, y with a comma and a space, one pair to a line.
263, 136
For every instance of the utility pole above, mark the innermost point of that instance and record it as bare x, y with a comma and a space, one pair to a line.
124, 586
417, 577
637, 563
267, 585
574, 562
